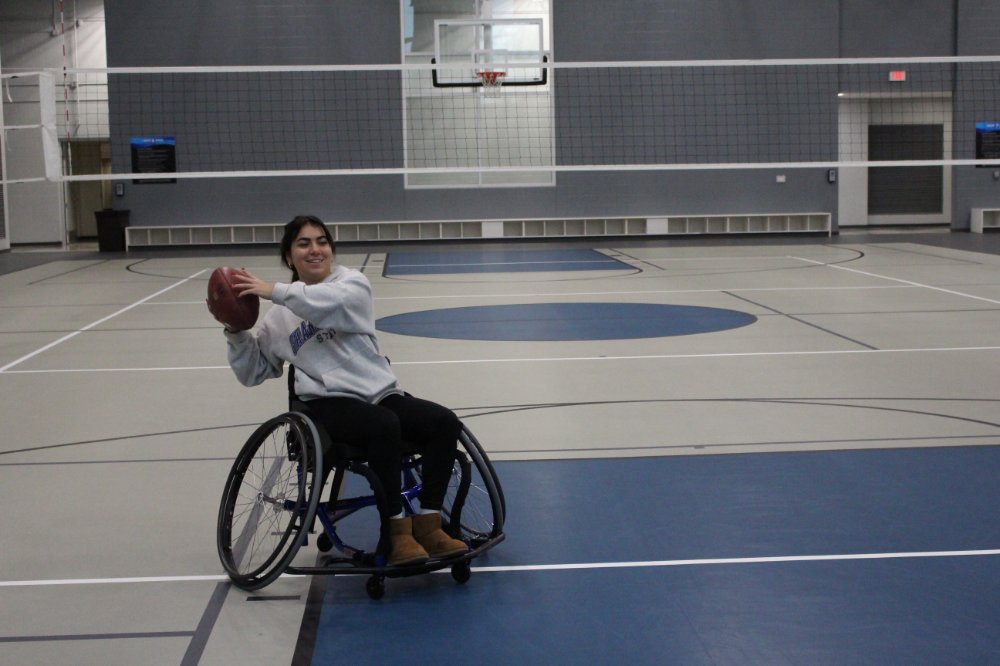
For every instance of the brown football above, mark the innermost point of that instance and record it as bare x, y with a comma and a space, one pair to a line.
239, 313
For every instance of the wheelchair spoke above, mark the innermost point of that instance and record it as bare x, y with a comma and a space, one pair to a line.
266, 502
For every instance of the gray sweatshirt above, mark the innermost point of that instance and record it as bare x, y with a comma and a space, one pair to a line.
327, 331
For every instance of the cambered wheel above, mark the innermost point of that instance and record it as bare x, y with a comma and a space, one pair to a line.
269, 500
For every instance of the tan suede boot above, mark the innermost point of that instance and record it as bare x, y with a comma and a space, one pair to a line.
404, 549
428, 533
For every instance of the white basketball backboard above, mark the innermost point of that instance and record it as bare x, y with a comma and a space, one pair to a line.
465, 47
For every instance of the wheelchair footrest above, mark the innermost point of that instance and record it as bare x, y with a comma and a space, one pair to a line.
334, 566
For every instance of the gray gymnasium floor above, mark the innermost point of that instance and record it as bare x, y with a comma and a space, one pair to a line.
815, 487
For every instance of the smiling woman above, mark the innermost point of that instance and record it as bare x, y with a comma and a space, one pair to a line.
307, 248
323, 324
564, 321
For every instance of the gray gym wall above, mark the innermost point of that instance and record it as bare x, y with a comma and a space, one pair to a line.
225, 32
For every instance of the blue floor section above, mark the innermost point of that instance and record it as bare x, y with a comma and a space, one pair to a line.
564, 321
912, 611
498, 261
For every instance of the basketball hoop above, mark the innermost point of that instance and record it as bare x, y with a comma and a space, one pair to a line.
492, 81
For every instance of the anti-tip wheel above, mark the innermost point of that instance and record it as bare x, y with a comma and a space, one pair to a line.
461, 572
375, 587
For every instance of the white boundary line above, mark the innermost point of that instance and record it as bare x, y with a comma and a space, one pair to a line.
564, 294
96, 323
637, 292
555, 359
552, 567
651, 357
744, 560
906, 282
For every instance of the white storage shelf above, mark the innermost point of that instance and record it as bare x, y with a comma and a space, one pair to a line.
985, 219
750, 224
246, 234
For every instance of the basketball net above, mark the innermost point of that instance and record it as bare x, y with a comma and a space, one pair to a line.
492, 81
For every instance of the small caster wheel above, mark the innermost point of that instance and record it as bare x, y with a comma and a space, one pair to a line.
324, 542
461, 572
375, 587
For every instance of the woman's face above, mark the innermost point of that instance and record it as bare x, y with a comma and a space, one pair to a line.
311, 255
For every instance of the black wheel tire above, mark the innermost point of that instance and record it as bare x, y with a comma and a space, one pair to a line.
324, 542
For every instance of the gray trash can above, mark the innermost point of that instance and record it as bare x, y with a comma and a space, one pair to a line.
111, 225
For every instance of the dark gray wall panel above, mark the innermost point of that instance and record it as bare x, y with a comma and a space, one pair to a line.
694, 193
598, 30
888, 28
978, 34
161, 33
978, 27
264, 200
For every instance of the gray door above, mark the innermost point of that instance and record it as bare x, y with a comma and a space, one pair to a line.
909, 190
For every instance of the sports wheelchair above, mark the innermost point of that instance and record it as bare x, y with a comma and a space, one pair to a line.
271, 503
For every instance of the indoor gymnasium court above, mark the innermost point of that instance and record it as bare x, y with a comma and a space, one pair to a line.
717, 290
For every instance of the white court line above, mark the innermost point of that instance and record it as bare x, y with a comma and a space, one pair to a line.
743, 560
551, 567
907, 282
637, 292
554, 359
608, 260
97, 323
649, 357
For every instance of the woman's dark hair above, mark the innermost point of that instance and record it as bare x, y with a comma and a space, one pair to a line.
292, 230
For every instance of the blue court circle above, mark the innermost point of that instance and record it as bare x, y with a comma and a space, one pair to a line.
564, 321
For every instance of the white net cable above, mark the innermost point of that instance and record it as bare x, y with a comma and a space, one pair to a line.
391, 119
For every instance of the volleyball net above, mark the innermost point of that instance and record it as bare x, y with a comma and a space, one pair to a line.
438, 125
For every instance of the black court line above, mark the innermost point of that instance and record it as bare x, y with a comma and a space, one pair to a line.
635, 259
306, 642
801, 321
14, 262
126, 438
96, 637
925, 254
652, 447
993, 440
490, 410
123, 461
200, 638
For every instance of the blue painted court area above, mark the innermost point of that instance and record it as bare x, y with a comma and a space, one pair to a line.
499, 261
564, 321
646, 536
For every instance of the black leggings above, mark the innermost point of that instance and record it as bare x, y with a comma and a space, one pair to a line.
379, 430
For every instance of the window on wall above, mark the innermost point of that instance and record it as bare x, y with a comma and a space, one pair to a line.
482, 136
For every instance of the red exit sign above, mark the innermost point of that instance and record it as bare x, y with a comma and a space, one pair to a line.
897, 75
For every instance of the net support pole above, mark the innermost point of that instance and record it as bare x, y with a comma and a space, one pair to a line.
4, 197
52, 155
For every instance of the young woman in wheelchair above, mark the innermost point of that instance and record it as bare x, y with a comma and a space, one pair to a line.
322, 323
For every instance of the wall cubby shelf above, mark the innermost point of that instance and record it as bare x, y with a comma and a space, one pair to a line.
984, 219
688, 225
